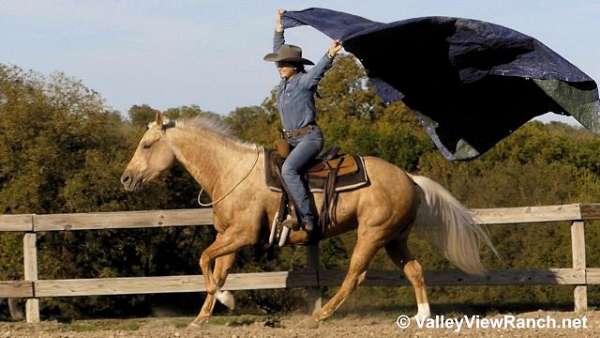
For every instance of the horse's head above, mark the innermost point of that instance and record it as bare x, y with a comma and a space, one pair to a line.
152, 156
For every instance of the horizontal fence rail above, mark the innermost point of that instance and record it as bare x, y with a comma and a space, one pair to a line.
286, 279
187, 217
32, 288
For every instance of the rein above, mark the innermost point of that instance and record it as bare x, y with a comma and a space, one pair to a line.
233, 188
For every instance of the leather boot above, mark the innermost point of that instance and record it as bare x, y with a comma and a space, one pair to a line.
312, 231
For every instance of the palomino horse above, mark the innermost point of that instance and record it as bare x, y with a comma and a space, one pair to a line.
232, 173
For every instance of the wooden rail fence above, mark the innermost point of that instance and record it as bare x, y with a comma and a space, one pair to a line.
32, 288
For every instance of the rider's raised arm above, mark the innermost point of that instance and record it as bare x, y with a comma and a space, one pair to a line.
315, 74
278, 39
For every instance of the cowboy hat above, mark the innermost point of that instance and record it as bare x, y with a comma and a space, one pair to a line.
288, 53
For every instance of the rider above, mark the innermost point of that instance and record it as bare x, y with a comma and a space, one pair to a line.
296, 104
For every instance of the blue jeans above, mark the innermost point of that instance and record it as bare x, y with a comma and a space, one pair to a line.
304, 149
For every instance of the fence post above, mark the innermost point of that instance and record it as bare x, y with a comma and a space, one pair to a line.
578, 247
314, 293
32, 305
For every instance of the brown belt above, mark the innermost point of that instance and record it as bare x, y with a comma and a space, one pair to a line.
300, 131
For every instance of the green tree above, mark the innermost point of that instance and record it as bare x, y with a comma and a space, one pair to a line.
254, 124
141, 115
189, 112
62, 150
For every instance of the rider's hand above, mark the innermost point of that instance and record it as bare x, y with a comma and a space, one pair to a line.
336, 45
279, 20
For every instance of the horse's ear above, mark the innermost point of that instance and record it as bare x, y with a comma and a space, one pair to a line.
159, 119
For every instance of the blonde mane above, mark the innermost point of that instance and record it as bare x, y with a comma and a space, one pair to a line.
213, 125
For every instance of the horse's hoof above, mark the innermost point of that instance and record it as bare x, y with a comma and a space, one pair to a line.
321, 315
419, 317
310, 323
193, 325
197, 323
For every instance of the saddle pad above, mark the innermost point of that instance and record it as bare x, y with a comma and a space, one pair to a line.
317, 184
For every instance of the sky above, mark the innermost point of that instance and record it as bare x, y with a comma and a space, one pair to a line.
209, 53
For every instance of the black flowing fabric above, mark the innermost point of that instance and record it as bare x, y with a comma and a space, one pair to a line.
470, 82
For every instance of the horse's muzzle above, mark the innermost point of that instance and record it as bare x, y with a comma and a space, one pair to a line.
130, 181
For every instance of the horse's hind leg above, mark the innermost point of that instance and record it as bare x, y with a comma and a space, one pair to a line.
398, 251
221, 270
365, 249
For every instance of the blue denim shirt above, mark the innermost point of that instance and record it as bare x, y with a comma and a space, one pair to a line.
295, 97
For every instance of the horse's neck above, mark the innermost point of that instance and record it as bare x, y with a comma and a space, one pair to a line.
212, 159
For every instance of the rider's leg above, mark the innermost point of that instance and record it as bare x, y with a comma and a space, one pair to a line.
291, 171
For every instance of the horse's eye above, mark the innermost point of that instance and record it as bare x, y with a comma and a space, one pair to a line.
146, 145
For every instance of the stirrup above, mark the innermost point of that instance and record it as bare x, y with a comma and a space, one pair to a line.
283, 230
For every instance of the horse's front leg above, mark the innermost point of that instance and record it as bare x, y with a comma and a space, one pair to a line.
227, 243
221, 270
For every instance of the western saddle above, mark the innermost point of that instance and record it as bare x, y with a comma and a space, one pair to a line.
329, 173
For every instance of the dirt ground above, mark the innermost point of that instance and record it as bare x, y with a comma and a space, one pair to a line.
292, 326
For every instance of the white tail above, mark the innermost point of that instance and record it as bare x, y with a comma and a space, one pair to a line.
446, 223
